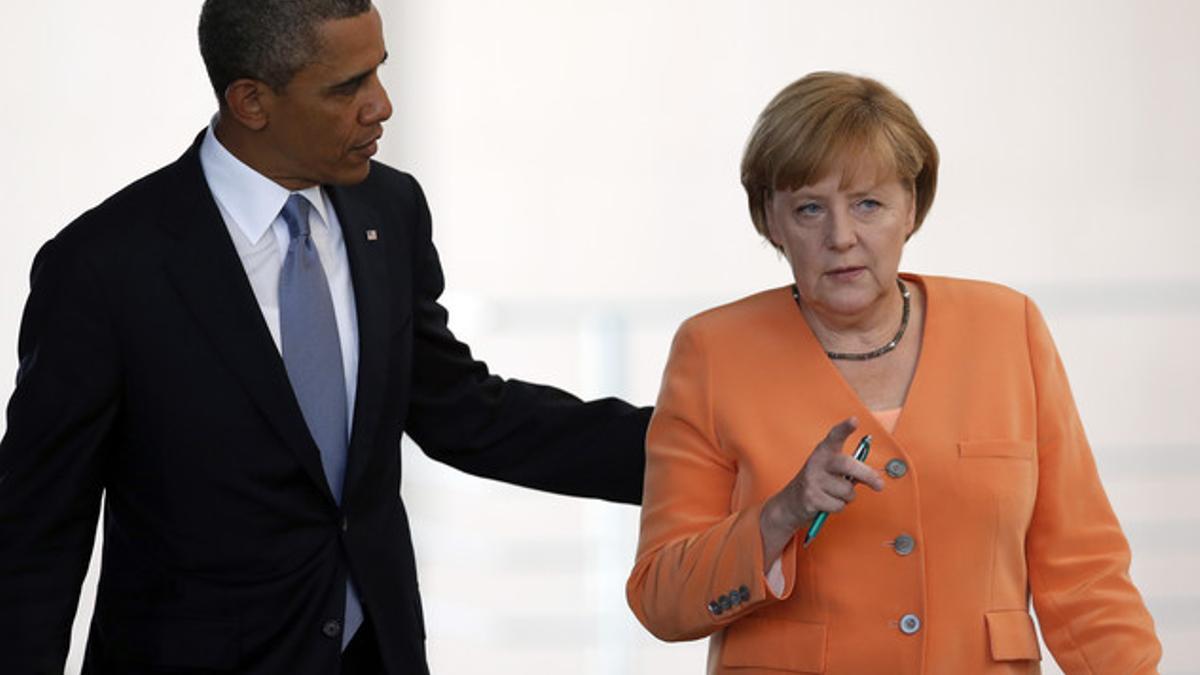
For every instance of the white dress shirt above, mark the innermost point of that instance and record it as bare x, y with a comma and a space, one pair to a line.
250, 204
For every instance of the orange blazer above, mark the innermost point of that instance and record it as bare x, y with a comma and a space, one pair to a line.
991, 496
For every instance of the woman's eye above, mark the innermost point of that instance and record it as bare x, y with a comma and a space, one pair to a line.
809, 209
869, 204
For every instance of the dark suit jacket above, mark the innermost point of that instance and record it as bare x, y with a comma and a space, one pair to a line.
147, 373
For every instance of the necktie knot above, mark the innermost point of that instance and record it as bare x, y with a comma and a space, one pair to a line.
295, 214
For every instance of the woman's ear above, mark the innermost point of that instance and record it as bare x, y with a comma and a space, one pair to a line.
770, 222
911, 219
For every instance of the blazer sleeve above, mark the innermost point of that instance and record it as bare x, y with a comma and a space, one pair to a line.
1091, 615
699, 561
517, 432
59, 420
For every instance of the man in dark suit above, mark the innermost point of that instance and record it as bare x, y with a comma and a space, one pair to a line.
229, 349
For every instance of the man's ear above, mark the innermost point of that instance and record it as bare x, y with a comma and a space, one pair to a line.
248, 102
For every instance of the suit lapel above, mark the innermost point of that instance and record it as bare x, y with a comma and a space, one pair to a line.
364, 247
210, 278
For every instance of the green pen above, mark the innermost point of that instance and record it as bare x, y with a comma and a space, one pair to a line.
860, 455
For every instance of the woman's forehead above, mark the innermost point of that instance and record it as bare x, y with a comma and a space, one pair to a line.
852, 173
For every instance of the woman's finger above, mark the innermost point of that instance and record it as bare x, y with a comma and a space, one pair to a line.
836, 438
849, 468
827, 503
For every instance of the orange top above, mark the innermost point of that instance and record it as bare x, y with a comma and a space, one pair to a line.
887, 418
991, 497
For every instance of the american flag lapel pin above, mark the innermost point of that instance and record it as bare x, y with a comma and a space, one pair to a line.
372, 235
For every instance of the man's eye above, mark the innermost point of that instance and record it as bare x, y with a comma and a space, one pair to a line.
347, 88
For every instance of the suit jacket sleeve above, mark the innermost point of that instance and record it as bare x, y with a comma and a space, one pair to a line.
1091, 615
693, 547
531, 435
59, 420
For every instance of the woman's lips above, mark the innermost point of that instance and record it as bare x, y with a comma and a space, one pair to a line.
846, 273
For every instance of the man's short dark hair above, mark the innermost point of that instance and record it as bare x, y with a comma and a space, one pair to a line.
265, 40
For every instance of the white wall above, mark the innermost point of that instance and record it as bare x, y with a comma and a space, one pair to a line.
581, 159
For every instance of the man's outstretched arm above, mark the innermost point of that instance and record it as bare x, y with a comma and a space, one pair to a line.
517, 432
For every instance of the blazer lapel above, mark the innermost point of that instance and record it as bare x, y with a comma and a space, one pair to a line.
210, 278
365, 248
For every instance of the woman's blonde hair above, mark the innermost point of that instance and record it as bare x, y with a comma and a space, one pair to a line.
824, 119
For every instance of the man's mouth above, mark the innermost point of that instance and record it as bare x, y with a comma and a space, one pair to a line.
369, 146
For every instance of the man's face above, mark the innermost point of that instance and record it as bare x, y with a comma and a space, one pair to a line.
323, 127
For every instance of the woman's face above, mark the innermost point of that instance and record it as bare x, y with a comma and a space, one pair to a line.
843, 242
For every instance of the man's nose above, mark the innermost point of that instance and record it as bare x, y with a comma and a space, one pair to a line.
378, 107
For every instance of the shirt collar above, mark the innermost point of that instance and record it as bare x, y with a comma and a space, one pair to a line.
251, 199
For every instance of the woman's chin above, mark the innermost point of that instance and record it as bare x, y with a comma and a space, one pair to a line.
844, 302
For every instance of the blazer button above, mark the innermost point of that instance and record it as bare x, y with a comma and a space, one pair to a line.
904, 544
345, 524
896, 468
744, 594
735, 597
332, 628
909, 624
725, 602
714, 608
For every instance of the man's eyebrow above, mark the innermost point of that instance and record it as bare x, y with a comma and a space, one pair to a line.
358, 77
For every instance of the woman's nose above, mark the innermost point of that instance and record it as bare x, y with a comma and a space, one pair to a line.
841, 233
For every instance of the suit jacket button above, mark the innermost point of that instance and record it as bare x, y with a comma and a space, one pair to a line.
909, 624
896, 468
904, 544
332, 628
345, 523
714, 608
725, 602
744, 594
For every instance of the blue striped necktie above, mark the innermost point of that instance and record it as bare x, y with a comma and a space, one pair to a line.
312, 355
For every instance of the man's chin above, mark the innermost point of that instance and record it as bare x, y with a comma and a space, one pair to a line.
351, 176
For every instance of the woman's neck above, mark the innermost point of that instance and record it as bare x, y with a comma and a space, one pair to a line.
863, 331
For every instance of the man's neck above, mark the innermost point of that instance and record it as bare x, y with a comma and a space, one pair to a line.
242, 143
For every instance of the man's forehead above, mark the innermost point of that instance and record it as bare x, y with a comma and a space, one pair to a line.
348, 47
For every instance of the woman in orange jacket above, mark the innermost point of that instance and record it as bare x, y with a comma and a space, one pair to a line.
983, 491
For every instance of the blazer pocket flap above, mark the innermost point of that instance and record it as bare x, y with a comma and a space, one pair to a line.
1012, 636
779, 644
1004, 448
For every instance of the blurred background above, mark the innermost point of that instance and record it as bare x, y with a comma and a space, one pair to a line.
581, 160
